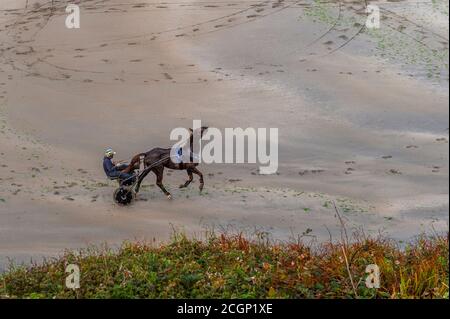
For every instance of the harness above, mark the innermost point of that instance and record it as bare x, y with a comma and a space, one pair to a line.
141, 163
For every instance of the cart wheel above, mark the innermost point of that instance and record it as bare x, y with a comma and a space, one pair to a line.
124, 196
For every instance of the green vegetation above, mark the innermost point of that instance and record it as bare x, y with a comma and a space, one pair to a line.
416, 49
440, 6
232, 266
432, 62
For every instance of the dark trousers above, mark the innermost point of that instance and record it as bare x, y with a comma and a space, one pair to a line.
122, 176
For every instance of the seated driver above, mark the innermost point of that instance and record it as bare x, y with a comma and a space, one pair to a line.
113, 170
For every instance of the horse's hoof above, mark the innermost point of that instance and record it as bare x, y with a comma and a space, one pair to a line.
182, 186
169, 196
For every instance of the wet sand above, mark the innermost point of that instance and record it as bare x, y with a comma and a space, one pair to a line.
363, 118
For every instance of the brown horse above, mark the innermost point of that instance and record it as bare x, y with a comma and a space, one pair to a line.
160, 158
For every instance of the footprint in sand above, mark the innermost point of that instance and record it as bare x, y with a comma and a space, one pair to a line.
412, 146
168, 76
137, 60
349, 170
313, 171
386, 157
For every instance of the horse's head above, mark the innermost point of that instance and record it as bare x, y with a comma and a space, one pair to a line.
202, 130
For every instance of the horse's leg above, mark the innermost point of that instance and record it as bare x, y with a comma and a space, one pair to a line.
141, 178
191, 177
197, 172
159, 172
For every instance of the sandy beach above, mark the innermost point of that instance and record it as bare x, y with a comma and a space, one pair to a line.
362, 117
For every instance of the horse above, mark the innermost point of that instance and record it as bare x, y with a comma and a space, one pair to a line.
160, 158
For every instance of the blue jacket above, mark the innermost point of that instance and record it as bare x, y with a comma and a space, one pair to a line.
108, 166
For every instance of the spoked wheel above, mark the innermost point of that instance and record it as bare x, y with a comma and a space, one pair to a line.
124, 196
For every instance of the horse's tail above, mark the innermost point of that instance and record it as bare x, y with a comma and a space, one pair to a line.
135, 160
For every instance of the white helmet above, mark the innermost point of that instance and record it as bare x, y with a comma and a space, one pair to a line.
109, 152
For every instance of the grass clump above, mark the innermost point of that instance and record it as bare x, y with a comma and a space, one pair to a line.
232, 266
